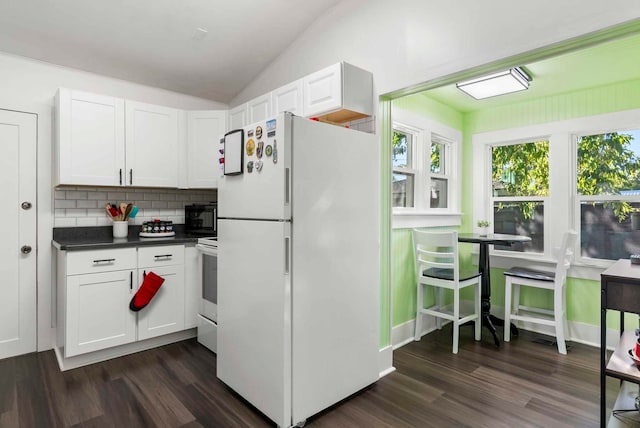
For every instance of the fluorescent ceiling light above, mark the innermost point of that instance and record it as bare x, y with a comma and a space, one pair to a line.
504, 82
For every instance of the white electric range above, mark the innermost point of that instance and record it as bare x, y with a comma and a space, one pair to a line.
208, 314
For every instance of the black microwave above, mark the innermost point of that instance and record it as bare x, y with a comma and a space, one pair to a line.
201, 219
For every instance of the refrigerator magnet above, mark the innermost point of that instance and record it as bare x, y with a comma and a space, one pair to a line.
268, 150
271, 128
259, 165
259, 149
233, 152
250, 167
258, 132
250, 147
250, 133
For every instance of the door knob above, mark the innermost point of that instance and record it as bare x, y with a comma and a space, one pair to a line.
26, 249
26, 205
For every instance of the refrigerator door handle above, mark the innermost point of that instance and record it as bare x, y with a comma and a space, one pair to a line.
286, 255
286, 186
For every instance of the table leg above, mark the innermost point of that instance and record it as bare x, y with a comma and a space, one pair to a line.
488, 320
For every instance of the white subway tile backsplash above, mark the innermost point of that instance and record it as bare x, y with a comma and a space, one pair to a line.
86, 222
87, 204
81, 206
64, 222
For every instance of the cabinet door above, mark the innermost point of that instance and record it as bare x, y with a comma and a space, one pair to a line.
322, 90
204, 130
151, 145
165, 312
259, 108
98, 314
238, 117
287, 98
192, 286
90, 139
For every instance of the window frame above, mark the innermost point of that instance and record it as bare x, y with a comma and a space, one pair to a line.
563, 200
427, 131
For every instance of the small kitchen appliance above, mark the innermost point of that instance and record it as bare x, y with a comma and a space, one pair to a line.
201, 219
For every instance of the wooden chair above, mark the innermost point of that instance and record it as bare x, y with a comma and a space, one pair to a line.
437, 265
556, 280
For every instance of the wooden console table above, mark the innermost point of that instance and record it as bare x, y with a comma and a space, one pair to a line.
620, 290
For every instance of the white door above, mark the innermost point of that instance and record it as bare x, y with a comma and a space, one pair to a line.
90, 138
18, 268
238, 117
259, 108
287, 98
165, 312
254, 313
204, 130
151, 145
260, 192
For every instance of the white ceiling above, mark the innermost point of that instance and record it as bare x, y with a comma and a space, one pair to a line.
152, 41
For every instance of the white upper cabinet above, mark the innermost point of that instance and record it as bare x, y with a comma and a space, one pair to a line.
89, 138
151, 145
287, 98
238, 117
204, 130
259, 108
338, 93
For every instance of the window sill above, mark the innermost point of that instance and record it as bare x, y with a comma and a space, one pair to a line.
431, 219
580, 270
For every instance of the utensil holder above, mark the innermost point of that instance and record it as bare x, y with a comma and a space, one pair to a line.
120, 229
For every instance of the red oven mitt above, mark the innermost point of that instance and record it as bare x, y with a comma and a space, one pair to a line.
150, 285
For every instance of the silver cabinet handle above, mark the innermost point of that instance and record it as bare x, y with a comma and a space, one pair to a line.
26, 205
131, 176
26, 249
104, 261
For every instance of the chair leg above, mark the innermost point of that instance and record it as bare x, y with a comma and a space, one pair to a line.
477, 301
515, 302
559, 315
417, 335
438, 298
507, 309
456, 319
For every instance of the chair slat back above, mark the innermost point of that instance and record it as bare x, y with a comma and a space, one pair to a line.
437, 250
564, 256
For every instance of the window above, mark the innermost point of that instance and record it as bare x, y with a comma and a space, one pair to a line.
607, 191
520, 186
544, 179
425, 189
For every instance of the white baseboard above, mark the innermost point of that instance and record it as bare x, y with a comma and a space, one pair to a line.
119, 351
385, 361
587, 334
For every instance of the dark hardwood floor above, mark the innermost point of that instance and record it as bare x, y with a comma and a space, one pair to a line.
522, 384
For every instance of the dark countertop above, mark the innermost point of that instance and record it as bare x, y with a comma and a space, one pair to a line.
100, 238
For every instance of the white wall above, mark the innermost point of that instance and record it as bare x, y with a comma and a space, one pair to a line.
28, 85
407, 42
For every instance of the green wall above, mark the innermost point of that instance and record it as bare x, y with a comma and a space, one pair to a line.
583, 296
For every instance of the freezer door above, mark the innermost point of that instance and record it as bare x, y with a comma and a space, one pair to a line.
254, 313
335, 283
263, 189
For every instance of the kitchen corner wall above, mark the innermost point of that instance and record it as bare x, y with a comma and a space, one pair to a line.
368, 124
81, 206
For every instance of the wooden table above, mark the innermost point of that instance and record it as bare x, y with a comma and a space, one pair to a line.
488, 320
620, 290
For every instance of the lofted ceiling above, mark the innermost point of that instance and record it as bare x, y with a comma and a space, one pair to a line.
157, 42
599, 65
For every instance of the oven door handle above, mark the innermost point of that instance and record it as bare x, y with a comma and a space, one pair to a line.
207, 250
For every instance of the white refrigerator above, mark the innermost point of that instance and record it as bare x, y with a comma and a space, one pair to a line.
298, 265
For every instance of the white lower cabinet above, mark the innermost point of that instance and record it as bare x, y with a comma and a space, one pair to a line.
94, 289
98, 314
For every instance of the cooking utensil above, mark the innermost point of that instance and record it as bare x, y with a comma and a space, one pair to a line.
108, 208
127, 211
123, 208
134, 211
113, 211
